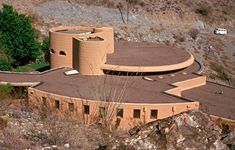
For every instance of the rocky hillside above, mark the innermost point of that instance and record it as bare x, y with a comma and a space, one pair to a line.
191, 130
22, 128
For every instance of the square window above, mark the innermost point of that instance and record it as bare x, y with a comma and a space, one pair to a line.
44, 101
119, 112
102, 111
57, 104
71, 107
86, 109
154, 114
136, 113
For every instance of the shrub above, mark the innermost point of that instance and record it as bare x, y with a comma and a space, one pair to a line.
225, 128
6, 88
203, 11
3, 121
221, 74
136, 2
193, 33
17, 36
45, 48
4, 65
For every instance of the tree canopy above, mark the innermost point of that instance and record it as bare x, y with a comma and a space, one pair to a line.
17, 36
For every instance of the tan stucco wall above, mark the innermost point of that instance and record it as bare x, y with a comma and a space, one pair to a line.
86, 56
164, 110
107, 34
92, 56
72, 45
60, 41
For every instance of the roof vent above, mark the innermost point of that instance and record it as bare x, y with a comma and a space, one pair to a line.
71, 72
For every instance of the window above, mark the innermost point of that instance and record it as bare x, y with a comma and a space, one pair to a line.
44, 101
119, 113
52, 51
136, 113
62, 53
71, 107
153, 114
86, 109
102, 111
57, 104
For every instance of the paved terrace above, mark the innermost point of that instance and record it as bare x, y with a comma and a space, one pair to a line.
136, 90
145, 54
215, 99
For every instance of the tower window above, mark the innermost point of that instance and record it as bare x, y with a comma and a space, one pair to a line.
52, 51
62, 53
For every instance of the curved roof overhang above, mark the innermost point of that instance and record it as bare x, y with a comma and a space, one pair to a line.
162, 68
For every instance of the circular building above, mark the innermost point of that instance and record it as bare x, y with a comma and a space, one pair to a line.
92, 51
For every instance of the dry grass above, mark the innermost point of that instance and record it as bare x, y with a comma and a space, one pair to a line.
221, 74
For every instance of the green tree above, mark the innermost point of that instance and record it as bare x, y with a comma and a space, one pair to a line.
4, 65
17, 36
45, 48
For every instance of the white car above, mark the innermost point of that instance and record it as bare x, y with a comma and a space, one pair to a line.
220, 31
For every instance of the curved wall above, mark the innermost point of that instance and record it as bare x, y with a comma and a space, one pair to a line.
108, 35
126, 122
87, 56
60, 41
92, 55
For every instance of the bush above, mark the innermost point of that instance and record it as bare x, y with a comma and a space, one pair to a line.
136, 2
5, 66
193, 33
17, 36
221, 74
45, 48
203, 11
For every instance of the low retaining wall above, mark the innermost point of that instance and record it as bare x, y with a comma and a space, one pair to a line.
186, 85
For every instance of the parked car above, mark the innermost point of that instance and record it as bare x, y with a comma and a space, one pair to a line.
220, 31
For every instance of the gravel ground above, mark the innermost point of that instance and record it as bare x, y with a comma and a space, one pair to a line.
68, 13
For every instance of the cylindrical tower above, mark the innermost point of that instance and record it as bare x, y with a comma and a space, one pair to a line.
61, 44
107, 34
92, 55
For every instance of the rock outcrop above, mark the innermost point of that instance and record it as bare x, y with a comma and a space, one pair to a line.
191, 130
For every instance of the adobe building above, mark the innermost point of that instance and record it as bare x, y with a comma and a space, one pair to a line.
132, 83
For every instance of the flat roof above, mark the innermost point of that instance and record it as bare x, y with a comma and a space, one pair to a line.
145, 54
215, 99
136, 90
73, 31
